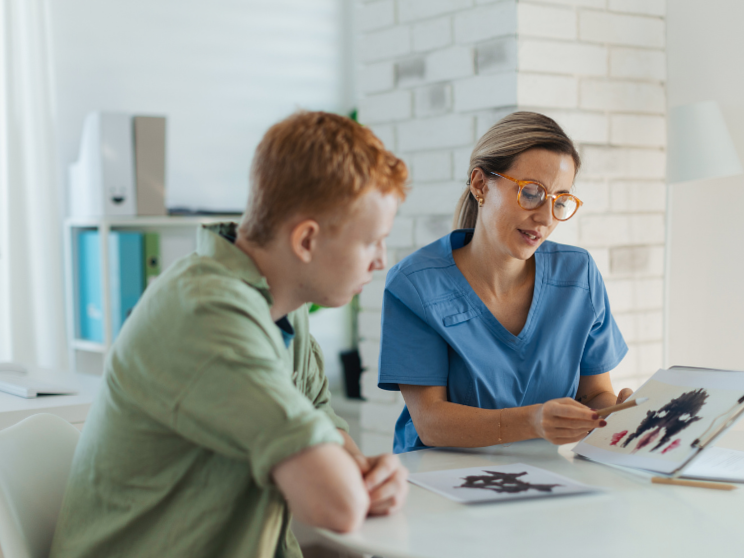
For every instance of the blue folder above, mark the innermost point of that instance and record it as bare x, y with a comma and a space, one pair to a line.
90, 301
126, 275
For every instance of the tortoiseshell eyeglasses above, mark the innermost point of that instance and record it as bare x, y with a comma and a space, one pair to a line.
533, 195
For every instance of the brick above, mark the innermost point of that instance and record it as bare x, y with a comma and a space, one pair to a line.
411, 71
595, 194
582, 3
401, 235
605, 230
631, 260
379, 417
374, 78
637, 63
371, 297
540, 90
622, 162
432, 166
582, 127
650, 326
370, 353
434, 99
620, 294
369, 325
627, 371
496, 56
374, 443
489, 91
650, 357
647, 228
386, 107
566, 233
385, 133
626, 323
413, 10
555, 57
432, 199
486, 119
622, 96
461, 161
546, 21
649, 294
431, 228
450, 63
647, 131
376, 15
480, 24
601, 257
645, 7
388, 43
637, 196
433, 133
432, 34
617, 29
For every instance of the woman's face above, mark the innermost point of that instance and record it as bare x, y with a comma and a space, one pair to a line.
505, 225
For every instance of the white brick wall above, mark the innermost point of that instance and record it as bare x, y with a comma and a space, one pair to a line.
436, 74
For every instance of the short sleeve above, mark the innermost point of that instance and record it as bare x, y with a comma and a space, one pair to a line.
248, 409
411, 351
317, 388
605, 347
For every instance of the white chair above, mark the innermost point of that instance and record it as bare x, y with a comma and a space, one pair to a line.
35, 460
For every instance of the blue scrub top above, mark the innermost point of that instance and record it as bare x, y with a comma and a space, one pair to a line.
437, 332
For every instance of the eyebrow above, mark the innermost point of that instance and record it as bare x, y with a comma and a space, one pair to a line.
539, 182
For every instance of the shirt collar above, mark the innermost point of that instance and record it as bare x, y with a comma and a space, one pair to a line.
211, 243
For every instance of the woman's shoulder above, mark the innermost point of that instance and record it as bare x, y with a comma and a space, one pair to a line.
566, 264
428, 270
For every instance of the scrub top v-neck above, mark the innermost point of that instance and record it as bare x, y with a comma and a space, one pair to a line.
436, 331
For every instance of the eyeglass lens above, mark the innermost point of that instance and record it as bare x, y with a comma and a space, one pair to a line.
533, 196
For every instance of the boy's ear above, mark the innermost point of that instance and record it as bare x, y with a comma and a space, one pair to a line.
304, 239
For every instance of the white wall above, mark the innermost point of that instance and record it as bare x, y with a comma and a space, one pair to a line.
706, 297
222, 71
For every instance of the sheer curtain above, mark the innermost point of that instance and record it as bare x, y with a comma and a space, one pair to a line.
31, 201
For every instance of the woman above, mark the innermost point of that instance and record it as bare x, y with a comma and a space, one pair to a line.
493, 334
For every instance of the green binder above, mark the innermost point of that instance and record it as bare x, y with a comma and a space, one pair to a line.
152, 257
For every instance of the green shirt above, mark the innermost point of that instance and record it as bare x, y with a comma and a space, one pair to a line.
201, 399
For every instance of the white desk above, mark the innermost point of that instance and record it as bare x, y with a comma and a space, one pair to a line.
72, 408
632, 519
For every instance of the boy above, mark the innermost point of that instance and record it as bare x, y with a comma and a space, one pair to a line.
214, 422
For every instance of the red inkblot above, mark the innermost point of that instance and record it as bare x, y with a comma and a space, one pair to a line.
675, 444
617, 437
647, 439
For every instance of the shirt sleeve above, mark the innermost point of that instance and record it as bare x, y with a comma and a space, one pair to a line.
243, 404
605, 347
411, 351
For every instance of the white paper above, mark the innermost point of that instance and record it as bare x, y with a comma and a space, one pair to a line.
496, 483
684, 405
717, 464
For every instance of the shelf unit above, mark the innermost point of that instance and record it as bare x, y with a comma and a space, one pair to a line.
177, 239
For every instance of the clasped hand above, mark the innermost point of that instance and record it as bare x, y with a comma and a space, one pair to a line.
385, 478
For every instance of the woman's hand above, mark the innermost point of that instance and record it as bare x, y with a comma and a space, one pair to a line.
564, 421
623, 395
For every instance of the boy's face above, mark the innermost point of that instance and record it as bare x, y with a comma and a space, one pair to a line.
347, 255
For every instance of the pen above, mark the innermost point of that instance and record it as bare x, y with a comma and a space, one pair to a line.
627, 405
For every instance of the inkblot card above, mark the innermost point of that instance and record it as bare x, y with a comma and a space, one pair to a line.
497, 483
685, 406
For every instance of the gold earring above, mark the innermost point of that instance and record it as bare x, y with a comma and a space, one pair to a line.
480, 202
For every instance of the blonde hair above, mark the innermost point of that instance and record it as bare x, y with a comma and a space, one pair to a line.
319, 164
500, 146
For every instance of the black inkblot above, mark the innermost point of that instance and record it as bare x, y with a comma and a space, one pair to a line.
669, 417
504, 483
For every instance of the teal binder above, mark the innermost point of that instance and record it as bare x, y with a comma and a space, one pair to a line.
90, 300
126, 275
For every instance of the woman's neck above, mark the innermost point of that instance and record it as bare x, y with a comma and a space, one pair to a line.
493, 269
